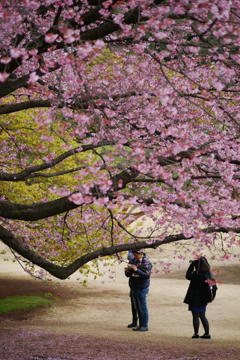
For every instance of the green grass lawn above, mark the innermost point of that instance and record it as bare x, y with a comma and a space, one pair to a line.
22, 302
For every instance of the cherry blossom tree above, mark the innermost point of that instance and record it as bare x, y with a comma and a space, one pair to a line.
144, 99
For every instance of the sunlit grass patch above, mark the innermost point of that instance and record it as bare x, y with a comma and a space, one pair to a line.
22, 302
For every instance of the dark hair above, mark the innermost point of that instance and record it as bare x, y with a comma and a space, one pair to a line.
202, 265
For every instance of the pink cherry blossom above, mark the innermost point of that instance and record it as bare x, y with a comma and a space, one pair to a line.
68, 36
50, 38
120, 125
15, 53
77, 198
218, 85
33, 77
3, 76
5, 60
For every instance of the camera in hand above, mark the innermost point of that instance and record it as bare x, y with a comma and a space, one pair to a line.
192, 261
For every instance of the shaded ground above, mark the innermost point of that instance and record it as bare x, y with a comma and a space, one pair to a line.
10, 286
90, 323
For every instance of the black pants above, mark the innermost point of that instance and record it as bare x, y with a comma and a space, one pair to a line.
134, 310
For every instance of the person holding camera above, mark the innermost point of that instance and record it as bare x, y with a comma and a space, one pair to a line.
139, 271
196, 295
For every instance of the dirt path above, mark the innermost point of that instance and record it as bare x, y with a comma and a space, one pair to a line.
90, 323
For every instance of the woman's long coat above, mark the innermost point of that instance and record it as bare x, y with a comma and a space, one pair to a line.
197, 290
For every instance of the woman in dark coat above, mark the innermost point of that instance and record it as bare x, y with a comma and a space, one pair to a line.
197, 273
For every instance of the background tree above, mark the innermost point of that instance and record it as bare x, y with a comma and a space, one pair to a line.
148, 91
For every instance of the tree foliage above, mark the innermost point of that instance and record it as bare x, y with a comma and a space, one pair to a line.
137, 102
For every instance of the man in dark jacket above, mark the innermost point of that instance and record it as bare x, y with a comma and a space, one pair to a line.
139, 271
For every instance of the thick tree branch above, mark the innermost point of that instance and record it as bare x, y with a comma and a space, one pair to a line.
62, 272
12, 108
36, 211
44, 210
79, 103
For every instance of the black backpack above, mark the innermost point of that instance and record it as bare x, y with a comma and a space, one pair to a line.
211, 288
